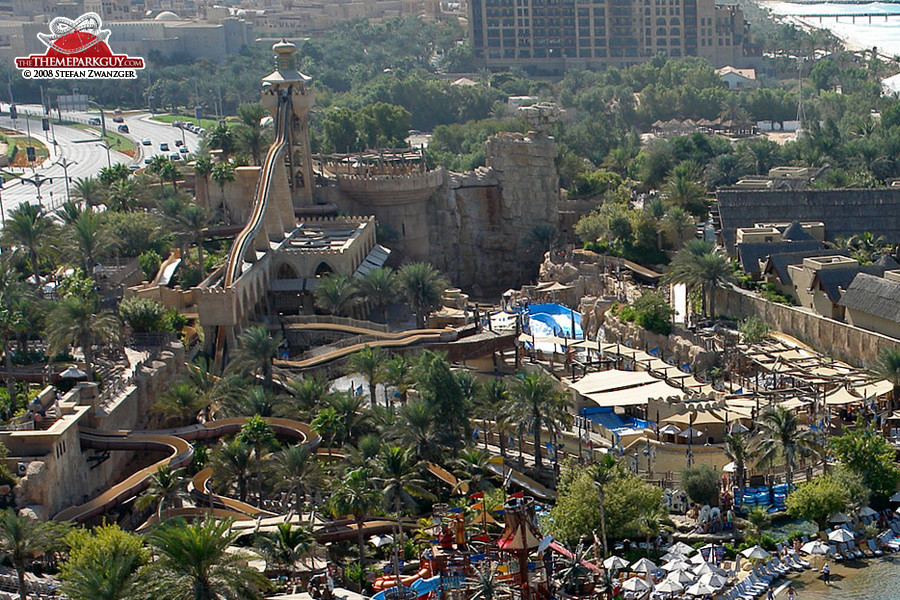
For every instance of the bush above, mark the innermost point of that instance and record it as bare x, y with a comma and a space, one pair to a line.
144, 315
753, 330
701, 483
650, 311
149, 262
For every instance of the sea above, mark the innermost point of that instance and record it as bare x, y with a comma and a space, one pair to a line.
880, 30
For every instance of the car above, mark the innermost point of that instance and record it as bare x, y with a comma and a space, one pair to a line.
201, 131
122, 128
94, 121
176, 123
118, 119
146, 142
174, 156
148, 160
189, 124
133, 167
164, 147
178, 142
183, 150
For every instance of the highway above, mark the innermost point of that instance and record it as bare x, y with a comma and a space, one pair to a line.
75, 145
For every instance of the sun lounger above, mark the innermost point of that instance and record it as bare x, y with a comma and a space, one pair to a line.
874, 548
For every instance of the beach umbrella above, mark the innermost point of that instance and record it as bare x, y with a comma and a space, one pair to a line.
699, 589
713, 580
381, 540
698, 559
677, 564
644, 565
681, 548
729, 468
681, 576
839, 518
669, 586
865, 511
756, 553
670, 429
738, 427
708, 569
841, 536
73, 372
635, 584
615, 563
691, 432
895, 497
815, 547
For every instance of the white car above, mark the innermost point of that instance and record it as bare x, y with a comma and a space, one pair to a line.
146, 142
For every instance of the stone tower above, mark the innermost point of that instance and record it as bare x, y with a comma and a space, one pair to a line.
287, 80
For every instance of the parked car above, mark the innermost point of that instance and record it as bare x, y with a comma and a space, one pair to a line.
133, 167
176, 123
122, 128
164, 147
146, 142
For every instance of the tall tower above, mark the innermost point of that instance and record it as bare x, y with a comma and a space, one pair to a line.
287, 82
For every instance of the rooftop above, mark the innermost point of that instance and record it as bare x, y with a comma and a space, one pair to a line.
875, 296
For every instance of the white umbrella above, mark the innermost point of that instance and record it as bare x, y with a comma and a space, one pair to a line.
698, 559
644, 565
635, 584
381, 540
756, 553
839, 518
699, 589
691, 432
708, 569
670, 429
865, 511
669, 586
73, 372
739, 428
729, 468
677, 564
895, 497
841, 536
815, 547
615, 563
713, 580
681, 576
681, 548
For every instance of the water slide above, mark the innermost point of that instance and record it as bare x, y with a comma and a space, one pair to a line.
175, 442
167, 269
523, 481
394, 340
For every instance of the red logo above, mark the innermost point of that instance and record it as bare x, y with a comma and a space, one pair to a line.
78, 50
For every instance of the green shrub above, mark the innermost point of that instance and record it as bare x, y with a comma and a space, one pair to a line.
144, 315
701, 483
650, 311
753, 330
150, 262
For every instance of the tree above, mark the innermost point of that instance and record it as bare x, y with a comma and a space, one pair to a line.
605, 471
190, 224
144, 315
352, 410
447, 406
650, 311
866, 453
286, 545
537, 402
339, 130
181, 402
76, 321
422, 287
682, 190
398, 477
221, 138
739, 450
308, 391
194, 560
378, 287
491, 405
89, 189
257, 434
888, 367
167, 486
250, 131
11, 290
701, 482
164, 168
397, 373
759, 518
255, 353
699, 265
819, 498
782, 436
102, 563
328, 424
336, 294
22, 538
753, 330
369, 362
417, 429
232, 463
30, 228
677, 224
471, 469
296, 468
356, 497
222, 173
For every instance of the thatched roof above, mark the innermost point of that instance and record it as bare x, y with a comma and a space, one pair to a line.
795, 233
752, 255
874, 296
833, 280
778, 264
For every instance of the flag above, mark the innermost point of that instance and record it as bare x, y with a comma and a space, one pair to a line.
517, 495
477, 495
654, 351
478, 506
740, 390
455, 510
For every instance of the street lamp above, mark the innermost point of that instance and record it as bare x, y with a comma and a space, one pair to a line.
102, 116
102, 142
65, 164
37, 180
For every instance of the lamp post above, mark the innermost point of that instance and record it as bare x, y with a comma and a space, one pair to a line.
65, 164
102, 116
37, 180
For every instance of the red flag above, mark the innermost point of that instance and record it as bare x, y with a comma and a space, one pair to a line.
477, 496
517, 495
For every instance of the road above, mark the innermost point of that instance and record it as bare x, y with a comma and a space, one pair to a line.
89, 157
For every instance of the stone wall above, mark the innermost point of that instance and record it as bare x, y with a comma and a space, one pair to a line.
858, 347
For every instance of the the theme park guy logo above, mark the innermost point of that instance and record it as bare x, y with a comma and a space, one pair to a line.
78, 50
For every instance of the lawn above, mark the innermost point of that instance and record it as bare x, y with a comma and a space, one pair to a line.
116, 141
20, 158
204, 123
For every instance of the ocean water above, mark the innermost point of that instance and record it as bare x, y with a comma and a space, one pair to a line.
879, 580
882, 32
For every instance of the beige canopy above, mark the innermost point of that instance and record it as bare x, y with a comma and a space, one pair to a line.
604, 381
633, 396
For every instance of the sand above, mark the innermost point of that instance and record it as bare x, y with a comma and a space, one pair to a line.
809, 584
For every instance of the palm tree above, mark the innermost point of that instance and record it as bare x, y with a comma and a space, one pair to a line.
255, 352
336, 294
655, 208
286, 545
87, 238
75, 321
195, 560
536, 402
109, 574
487, 585
740, 452
700, 265
232, 462
604, 472
422, 287
328, 424
650, 522
11, 290
69, 211
352, 411
250, 132
781, 435
398, 375
678, 224
888, 367
378, 287
89, 189
356, 497
181, 402
190, 224
211, 389
167, 486
255, 400
257, 434
22, 538
296, 468
122, 195
369, 362
491, 405
163, 167
30, 228
221, 138
471, 469
398, 477
308, 391
682, 190
417, 429
222, 173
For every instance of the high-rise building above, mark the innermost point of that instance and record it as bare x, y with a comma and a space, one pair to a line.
555, 35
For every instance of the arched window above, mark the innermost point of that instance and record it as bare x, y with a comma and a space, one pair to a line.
324, 269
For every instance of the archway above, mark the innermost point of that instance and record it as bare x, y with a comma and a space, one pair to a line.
323, 269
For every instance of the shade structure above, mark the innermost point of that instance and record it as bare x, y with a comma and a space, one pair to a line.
699, 589
698, 559
381, 540
682, 576
615, 563
866, 511
635, 584
756, 552
815, 547
841, 536
644, 565
670, 429
729, 468
73, 372
691, 432
713, 580
669, 586
677, 564
738, 428
681, 548
895, 497
708, 569
839, 517
706, 417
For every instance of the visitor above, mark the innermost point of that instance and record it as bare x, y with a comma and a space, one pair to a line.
826, 573
770, 594
791, 593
